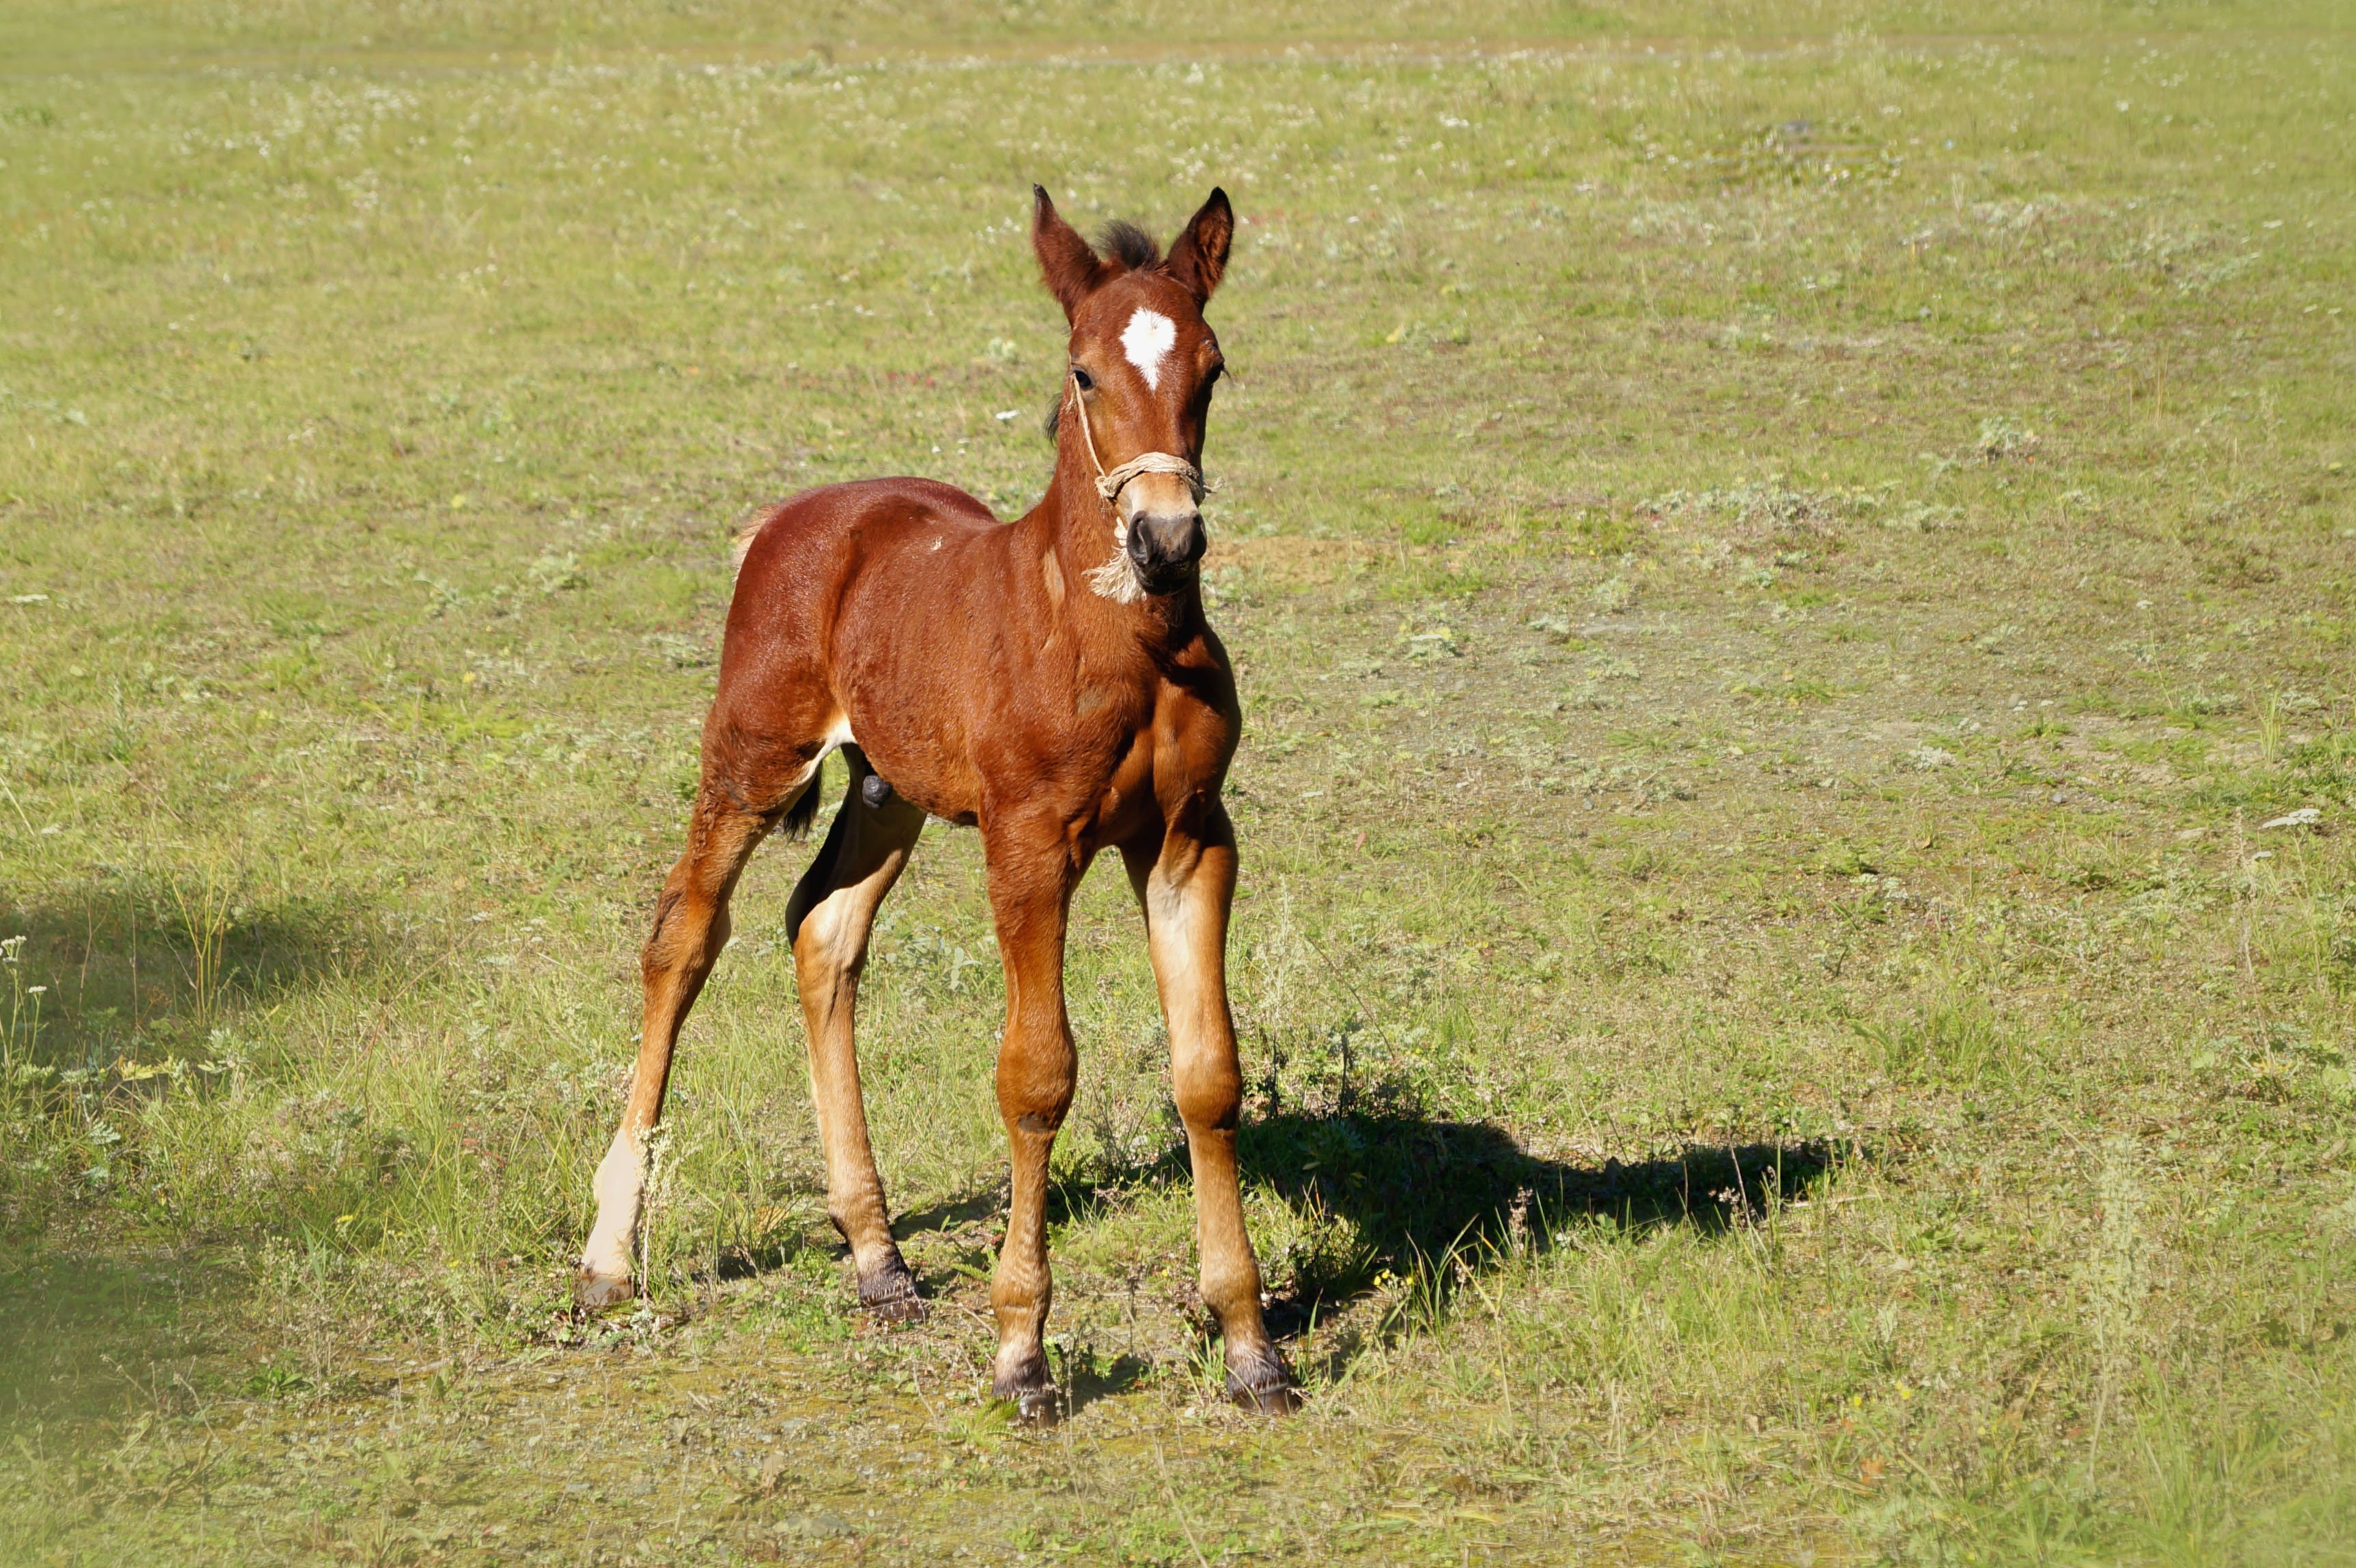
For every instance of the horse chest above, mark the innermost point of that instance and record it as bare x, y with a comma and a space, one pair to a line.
1130, 754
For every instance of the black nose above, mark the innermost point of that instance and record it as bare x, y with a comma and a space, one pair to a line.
1166, 546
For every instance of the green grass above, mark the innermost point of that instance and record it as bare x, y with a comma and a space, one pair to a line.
1779, 559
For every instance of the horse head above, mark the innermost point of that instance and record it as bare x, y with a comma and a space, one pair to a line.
1137, 391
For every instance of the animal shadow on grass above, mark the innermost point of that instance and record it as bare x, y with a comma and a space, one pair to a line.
778, 1246
136, 968
1088, 1376
83, 1335
1424, 1202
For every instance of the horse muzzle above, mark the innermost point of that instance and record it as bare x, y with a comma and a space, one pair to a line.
1164, 547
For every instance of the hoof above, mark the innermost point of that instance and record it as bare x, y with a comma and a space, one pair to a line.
1264, 1386
594, 1292
1034, 1396
1040, 1407
890, 1295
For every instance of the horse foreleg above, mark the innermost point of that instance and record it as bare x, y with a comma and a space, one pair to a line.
690, 928
828, 921
1030, 895
1185, 883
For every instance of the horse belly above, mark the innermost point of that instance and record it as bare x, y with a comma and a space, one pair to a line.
913, 697
913, 746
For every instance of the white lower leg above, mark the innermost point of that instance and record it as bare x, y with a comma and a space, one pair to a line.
621, 1188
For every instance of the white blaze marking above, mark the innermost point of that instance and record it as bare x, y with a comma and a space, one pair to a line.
1147, 341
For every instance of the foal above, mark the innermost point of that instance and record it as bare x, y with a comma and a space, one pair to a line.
1050, 680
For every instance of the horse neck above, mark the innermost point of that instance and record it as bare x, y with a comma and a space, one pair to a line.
1077, 517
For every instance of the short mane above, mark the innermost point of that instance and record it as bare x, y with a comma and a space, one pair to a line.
1129, 245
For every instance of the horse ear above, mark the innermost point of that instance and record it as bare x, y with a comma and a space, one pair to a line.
1071, 268
1199, 259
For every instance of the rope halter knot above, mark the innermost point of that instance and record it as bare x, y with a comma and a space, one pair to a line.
1111, 485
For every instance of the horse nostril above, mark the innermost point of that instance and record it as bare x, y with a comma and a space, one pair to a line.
1159, 545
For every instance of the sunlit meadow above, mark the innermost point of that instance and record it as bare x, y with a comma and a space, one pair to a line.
1793, 569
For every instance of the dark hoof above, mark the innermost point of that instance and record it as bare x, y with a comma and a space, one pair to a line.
1265, 1399
1040, 1407
1264, 1386
890, 1295
1032, 1393
595, 1293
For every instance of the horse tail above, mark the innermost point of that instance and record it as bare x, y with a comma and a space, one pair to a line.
804, 811
740, 544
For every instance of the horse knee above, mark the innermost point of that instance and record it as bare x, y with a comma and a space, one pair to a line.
1036, 1086
1036, 1109
1210, 1095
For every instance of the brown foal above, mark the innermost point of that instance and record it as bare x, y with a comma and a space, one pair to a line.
1050, 680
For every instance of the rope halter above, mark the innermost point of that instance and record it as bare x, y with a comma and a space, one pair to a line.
1110, 484
1116, 579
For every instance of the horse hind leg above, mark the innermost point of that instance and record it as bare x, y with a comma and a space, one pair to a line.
832, 912
690, 928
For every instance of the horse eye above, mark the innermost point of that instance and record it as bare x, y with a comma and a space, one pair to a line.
1083, 380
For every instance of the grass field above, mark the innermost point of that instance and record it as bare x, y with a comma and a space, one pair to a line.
1793, 570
